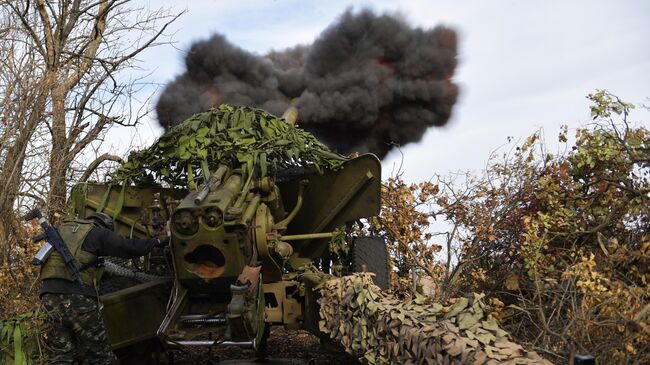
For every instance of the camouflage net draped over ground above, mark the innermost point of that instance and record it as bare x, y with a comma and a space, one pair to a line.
380, 329
259, 142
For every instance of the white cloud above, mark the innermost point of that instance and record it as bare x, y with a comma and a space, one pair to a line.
523, 65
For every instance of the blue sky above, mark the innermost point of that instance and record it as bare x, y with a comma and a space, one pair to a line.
523, 65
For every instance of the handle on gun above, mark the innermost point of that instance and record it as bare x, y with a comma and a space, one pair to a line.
200, 197
213, 180
39, 238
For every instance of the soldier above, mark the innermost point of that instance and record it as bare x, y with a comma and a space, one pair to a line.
76, 329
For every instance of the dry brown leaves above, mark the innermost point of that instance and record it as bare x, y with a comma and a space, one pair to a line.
19, 278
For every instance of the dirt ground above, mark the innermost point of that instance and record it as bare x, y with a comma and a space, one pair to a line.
285, 347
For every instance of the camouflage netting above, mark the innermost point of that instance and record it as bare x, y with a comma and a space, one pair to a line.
380, 329
258, 142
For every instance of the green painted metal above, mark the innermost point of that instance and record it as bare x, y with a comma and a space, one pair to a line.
134, 314
217, 233
331, 200
86, 198
307, 236
218, 245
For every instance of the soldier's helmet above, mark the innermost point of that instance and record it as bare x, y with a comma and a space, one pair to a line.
102, 220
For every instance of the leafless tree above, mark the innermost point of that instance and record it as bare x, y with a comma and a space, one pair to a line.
68, 71
23, 103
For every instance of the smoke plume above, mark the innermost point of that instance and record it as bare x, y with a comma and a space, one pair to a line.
368, 82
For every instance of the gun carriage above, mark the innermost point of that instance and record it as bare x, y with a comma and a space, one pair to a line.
246, 248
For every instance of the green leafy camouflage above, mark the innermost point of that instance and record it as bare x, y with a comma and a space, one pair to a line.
259, 142
381, 329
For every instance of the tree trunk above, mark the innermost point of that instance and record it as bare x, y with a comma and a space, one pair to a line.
59, 157
56, 201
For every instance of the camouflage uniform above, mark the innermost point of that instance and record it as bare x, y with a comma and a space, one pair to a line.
76, 330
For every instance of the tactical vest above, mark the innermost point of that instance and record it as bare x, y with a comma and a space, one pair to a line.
73, 233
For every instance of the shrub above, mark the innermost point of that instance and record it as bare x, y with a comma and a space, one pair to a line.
565, 240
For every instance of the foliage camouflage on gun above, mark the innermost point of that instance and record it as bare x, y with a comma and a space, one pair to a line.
259, 142
381, 329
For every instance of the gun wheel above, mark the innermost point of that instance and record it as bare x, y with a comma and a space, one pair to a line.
262, 348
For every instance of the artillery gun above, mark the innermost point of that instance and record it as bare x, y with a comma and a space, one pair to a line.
245, 253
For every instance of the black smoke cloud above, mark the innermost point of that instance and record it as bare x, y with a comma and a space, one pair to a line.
367, 83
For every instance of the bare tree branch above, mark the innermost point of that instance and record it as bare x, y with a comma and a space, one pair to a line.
99, 160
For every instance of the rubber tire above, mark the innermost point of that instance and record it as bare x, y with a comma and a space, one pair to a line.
372, 252
262, 349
